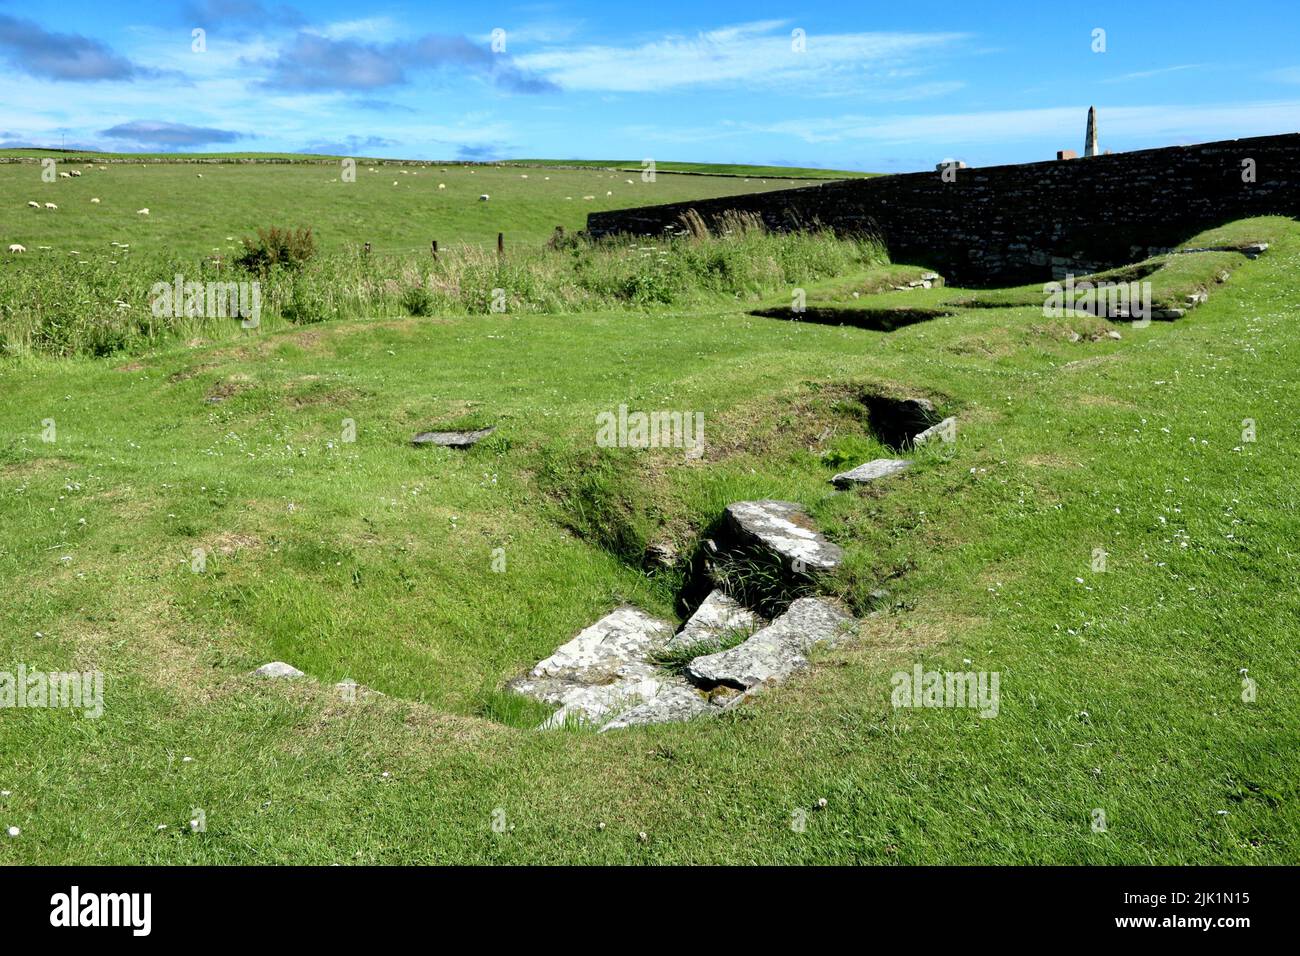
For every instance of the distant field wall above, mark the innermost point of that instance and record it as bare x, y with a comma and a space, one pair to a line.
1028, 222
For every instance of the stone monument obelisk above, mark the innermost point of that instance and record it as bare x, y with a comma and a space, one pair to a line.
1090, 140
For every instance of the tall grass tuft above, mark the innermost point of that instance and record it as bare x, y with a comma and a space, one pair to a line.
97, 305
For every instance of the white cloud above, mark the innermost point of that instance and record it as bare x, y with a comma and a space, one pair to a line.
759, 55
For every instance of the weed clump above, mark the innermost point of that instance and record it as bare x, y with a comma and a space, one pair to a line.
288, 248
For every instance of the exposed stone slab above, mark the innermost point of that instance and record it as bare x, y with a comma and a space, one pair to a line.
774, 652
278, 669
946, 430
602, 671
718, 614
872, 470
454, 439
676, 700
623, 637
591, 703
784, 529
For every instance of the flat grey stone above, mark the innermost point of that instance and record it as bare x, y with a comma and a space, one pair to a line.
591, 703
453, 439
774, 652
718, 614
675, 701
278, 669
784, 529
945, 430
623, 637
601, 672
880, 468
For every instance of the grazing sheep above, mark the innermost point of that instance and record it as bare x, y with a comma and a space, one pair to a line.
523, 176
200, 175
34, 205
142, 212
95, 199
628, 181
50, 205
17, 248
442, 185
65, 175
394, 182
483, 198
75, 173
608, 193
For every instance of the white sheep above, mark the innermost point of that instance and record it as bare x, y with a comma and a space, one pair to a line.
65, 175
50, 205
14, 247
442, 185
75, 173
95, 200
483, 198
33, 204
142, 212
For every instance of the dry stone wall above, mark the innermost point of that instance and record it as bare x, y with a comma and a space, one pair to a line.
1029, 222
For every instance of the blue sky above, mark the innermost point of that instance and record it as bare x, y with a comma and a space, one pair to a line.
887, 87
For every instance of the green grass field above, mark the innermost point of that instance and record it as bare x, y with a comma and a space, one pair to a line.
1121, 691
194, 216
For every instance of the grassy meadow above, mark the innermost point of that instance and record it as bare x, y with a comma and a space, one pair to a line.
373, 561
397, 208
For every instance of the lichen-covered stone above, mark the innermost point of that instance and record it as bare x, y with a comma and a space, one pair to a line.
716, 616
453, 439
946, 431
278, 669
872, 470
784, 529
674, 701
625, 636
602, 671
774, 652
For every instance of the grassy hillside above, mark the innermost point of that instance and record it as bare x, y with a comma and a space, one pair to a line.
193, 216
706, 169
372, 560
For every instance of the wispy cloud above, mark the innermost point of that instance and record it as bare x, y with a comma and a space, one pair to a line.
1147, 74
315, 62
208, 14
349, 146
760, 54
